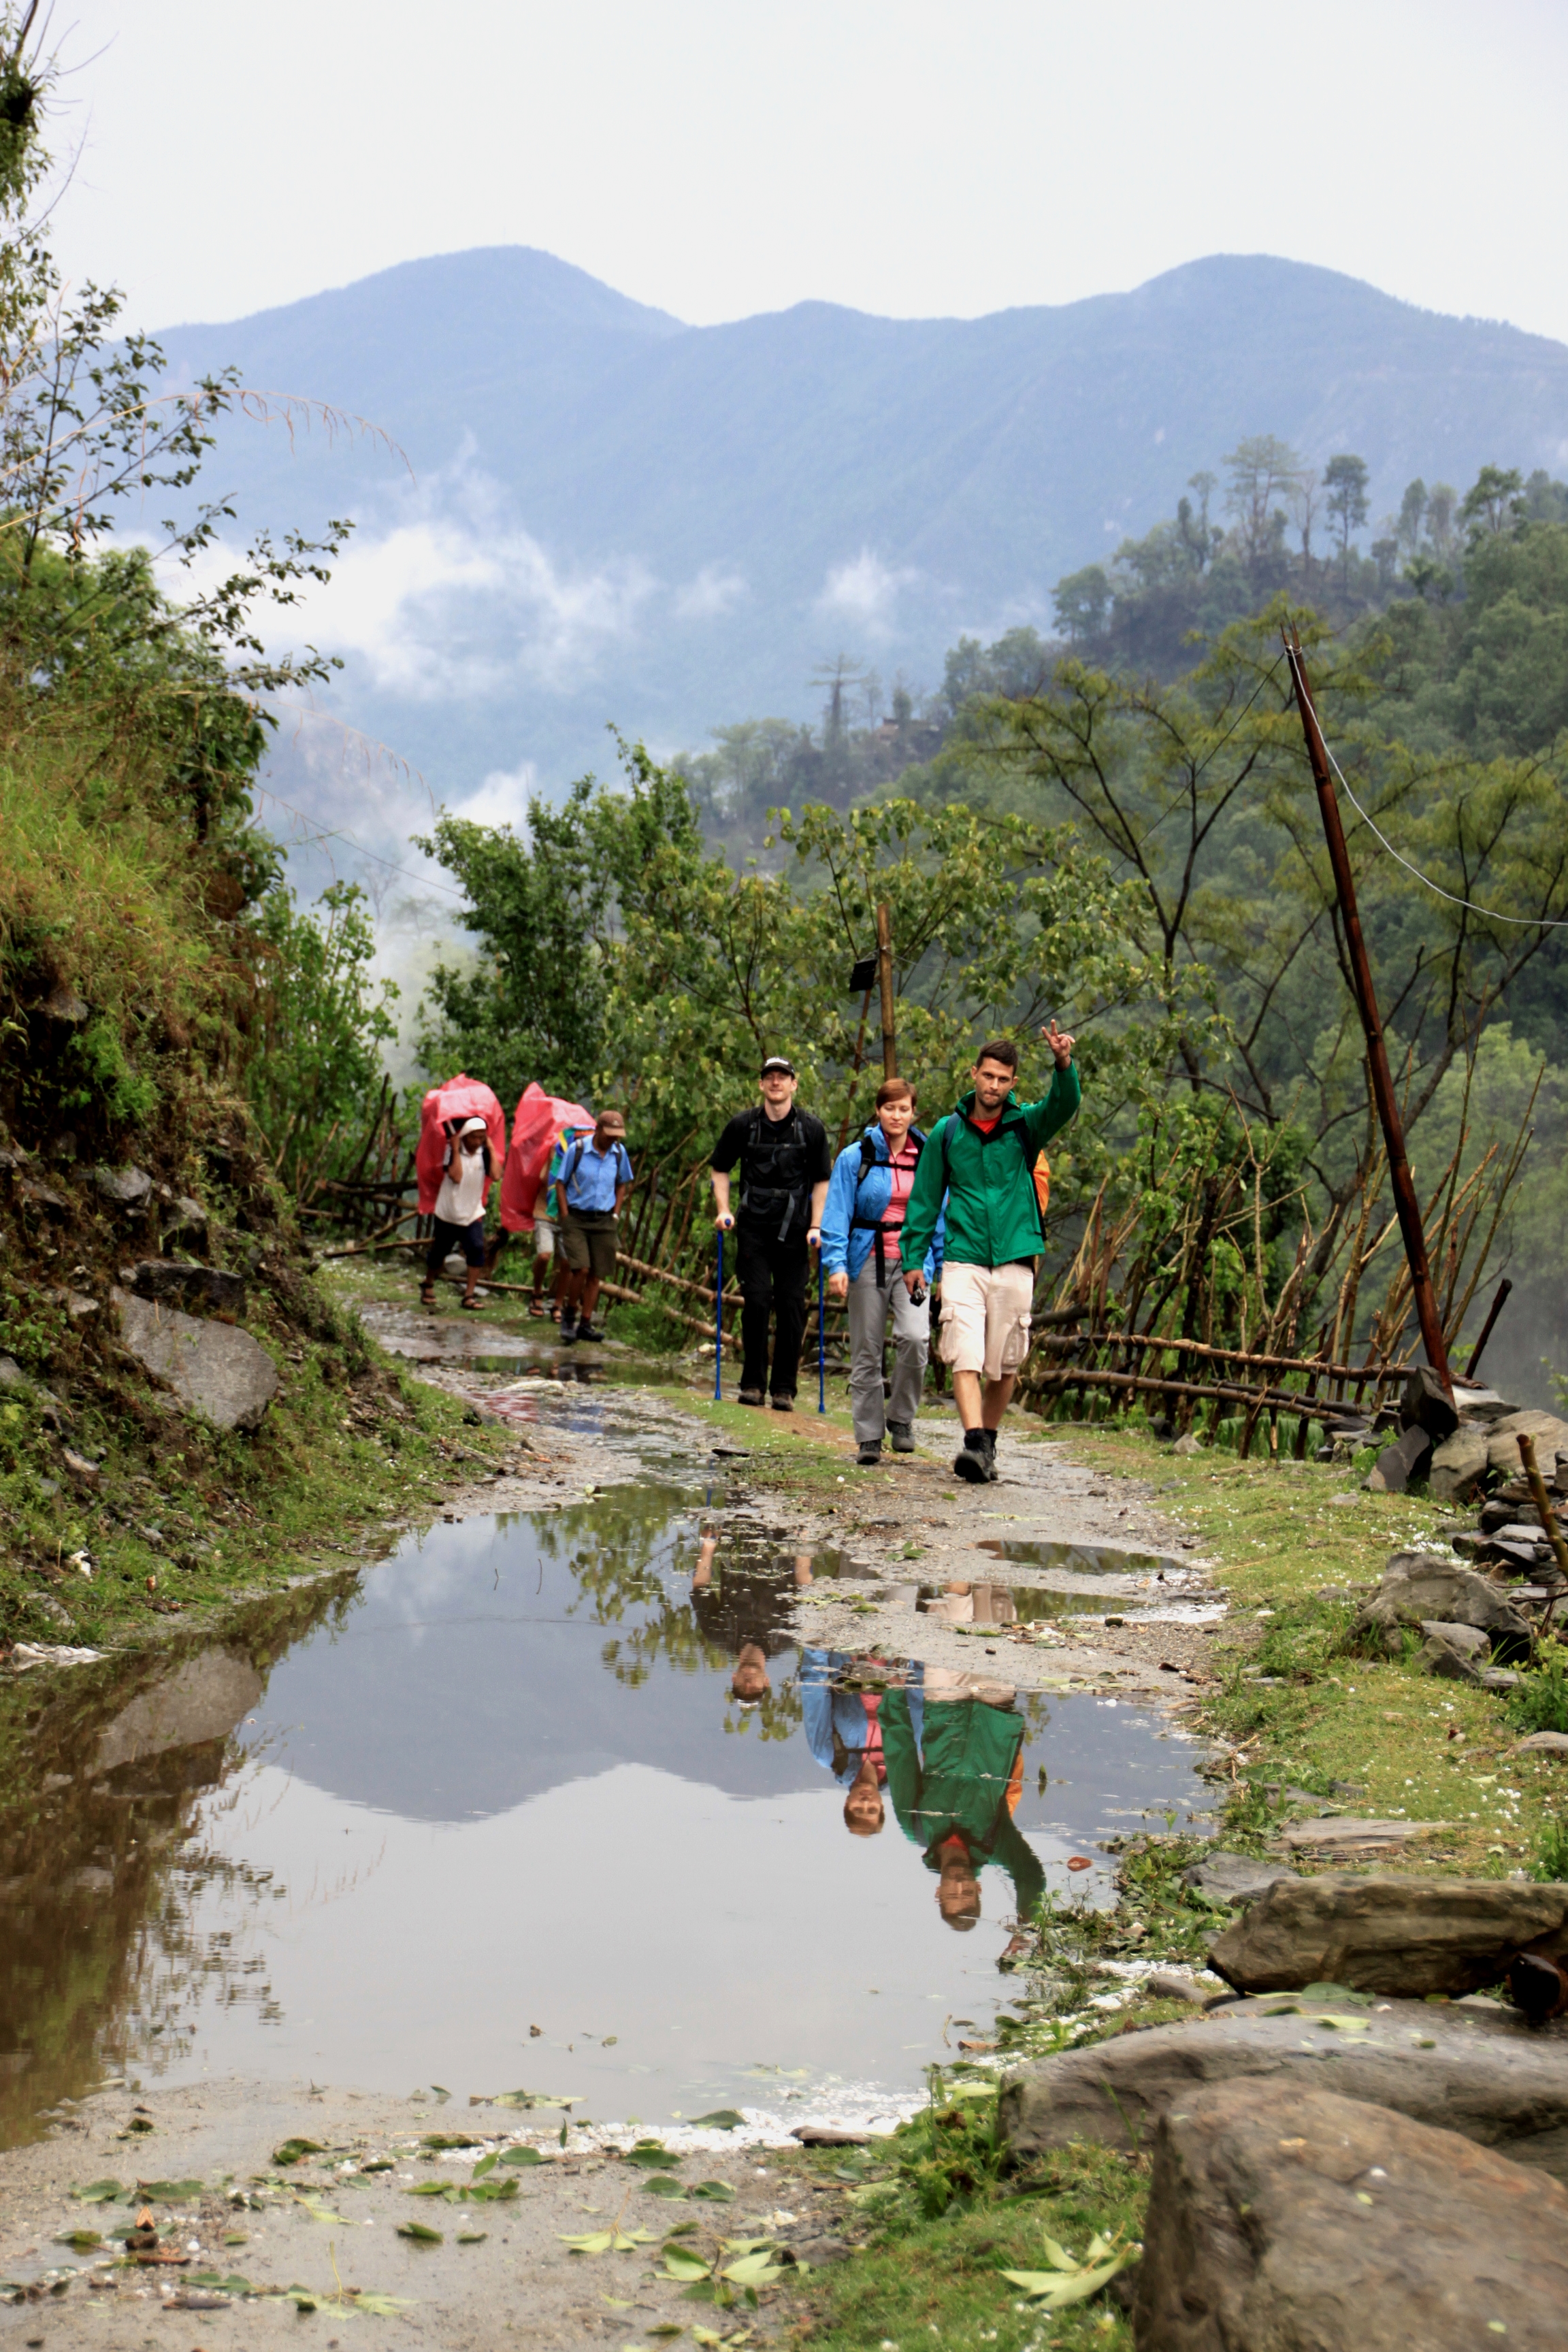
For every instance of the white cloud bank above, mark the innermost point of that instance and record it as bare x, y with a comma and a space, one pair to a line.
864, 592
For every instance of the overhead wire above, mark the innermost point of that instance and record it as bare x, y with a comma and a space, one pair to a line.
324, 832
1519, 922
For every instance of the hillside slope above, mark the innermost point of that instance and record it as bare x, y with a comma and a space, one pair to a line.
613, 515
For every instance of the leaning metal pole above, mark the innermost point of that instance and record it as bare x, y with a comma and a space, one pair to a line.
1407, 1207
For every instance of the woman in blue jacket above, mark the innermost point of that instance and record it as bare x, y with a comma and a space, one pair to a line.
861, 1224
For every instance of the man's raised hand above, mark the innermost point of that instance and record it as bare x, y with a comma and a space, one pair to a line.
1061, 1044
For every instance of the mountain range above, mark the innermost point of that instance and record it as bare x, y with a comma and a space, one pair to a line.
573, 510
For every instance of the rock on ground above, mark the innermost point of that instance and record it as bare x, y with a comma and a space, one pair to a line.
1457, 1463
1234, 1877
1296, 2221
217, 1369
1419, 1586
1397, 1936
1478, 2070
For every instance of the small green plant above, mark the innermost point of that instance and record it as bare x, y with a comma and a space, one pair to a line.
1551, 1853
1541, 1702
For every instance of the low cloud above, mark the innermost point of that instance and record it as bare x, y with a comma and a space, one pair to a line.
715, 592
502, 798
864, 592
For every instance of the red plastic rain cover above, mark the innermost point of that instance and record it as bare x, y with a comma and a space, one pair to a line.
540, 1121
460, 1098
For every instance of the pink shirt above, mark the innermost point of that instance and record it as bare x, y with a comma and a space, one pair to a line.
903, 1172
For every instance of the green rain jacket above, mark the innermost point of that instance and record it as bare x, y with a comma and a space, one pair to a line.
955, 1777
993, 1218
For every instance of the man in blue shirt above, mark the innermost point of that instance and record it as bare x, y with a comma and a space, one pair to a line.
590, 1176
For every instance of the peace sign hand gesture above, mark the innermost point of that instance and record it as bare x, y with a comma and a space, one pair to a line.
1061, 1044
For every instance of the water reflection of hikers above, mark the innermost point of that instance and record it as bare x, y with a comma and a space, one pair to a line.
841, 1701
461, 1211
860, 1230
748, 1612
785, 1168
954, 1773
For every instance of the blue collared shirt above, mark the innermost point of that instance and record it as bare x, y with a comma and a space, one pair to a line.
590, 1177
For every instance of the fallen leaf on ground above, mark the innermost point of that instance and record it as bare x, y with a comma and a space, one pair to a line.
294, 2151
722, 2119
420, 2234
1069, 2280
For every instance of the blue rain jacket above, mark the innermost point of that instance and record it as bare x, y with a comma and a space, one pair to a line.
845, 1245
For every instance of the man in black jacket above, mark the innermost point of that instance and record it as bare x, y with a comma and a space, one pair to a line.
785, 1168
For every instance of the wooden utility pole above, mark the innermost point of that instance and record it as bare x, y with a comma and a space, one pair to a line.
885, 975
1407, 1206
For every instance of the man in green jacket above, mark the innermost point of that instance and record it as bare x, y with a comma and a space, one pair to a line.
981, 1155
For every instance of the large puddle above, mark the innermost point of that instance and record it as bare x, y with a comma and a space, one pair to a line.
555, 1803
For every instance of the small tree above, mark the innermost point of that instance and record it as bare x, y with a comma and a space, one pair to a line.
1345, 480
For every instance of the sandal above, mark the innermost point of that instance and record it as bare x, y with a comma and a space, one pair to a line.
473, 1305
426, 1294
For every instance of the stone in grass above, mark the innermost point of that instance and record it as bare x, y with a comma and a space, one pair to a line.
1173, 1984
1399, 1462
1418, 1586
1549, 1433
1542, 1743
1398, 1936
124, 1188
1457, 1465
1302, 2219
1348, 1837
213, 1367
174, 1282
1479, 2070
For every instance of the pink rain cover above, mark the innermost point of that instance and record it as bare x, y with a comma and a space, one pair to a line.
460, 1098
540, 1120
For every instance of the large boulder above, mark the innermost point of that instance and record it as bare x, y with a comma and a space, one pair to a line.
1478, 2070
1550, 1437
1425, 1404
200, 1701
1296, 2221
1418, 1586
213, 1367
1398, 1936
1458, 1466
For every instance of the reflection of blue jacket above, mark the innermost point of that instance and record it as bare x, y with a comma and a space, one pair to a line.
835, 1718
845, 1245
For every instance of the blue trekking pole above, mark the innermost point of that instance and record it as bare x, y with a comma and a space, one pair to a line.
719, 1326
821, 1344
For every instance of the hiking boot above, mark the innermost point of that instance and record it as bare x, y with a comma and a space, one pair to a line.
568, 1331
902, 1433
870, 1454
783, 1403
590, 1332
751, 1396
973, 1461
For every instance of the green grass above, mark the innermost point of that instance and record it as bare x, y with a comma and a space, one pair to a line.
943, 2220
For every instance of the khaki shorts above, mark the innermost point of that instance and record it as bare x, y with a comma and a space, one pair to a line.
985, 1317
589, 1239
543, 1235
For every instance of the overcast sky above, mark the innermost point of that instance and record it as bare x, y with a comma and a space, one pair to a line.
719, 157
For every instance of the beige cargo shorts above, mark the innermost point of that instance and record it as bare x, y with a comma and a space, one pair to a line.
985, 1317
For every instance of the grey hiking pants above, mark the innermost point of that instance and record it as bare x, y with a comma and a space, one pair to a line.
868, 1310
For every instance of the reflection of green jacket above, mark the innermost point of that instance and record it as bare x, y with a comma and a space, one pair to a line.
955, 1779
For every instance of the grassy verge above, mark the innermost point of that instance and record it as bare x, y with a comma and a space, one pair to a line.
940, 2221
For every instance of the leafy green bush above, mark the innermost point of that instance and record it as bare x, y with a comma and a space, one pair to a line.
1541, 1702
